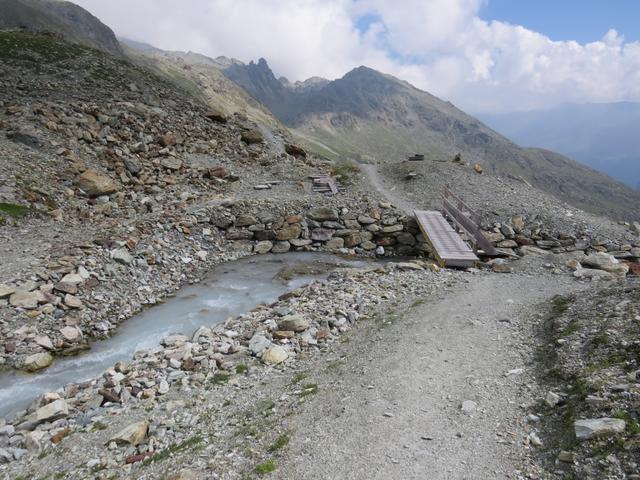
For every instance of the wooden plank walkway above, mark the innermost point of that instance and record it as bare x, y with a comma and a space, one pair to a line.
449, 249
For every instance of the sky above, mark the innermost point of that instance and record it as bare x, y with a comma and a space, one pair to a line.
486, 56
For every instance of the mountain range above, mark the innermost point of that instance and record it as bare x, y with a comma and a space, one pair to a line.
366, 115
373, 117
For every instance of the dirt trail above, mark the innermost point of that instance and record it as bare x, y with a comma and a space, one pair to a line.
373, 176
392, 407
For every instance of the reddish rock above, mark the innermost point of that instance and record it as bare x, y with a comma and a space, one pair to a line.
168, 140
522, 240
294, 219
385, 241
57, 438
322, 335
138, 458
10, 347
284, 334
634, 268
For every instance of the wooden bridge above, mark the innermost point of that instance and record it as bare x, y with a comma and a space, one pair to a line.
449, 248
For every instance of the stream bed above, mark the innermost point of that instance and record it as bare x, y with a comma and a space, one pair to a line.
229, 289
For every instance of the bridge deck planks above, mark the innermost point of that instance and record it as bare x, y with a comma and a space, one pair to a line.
449, 248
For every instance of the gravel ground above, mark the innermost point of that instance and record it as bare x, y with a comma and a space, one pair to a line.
393, 406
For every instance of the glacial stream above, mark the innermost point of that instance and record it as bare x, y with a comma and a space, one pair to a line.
229, 289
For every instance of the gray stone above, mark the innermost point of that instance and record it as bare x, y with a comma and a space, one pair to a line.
552, 399
598, 427
335, 243
263, 247
132, 165
281, 247
38, 361
393, 228
294, 323
171, 163
321, 234
258, 344
27, 300
122, 256
322, 214
366, 220
469, 406
51, 411
134, 434
6, 290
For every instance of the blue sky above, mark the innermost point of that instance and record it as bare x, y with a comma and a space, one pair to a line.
580, 20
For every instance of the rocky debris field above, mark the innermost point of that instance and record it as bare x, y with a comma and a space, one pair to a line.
217, 402
498, 198
590, 416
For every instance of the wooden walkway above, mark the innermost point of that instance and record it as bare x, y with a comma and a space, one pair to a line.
448, 248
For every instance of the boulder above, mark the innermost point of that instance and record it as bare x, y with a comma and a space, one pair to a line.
598, 427
335, 243
592, 274
122, 256
134, 434
252, 136
216, 116
274, 355
635, 228
95, 184
26, 300
38, 361
246, 220
71, 334
294, 323
52, 411
289, 232
263, 247
258, 344
72, 301
295, 150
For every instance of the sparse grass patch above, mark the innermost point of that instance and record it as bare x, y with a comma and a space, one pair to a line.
309, 389
344, 172
220, 378
194, 444
13, 210
266, 467
98, 426
241, 369
298, 377
281, 442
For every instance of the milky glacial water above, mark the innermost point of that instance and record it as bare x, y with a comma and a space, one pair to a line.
229, 289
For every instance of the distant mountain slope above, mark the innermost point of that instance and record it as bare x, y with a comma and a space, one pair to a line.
603, 136
371, 116
64, 18
202, 76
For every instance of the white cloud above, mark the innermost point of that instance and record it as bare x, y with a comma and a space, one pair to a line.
438, 45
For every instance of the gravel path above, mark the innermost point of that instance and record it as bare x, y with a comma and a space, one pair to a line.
373, 177
392, 407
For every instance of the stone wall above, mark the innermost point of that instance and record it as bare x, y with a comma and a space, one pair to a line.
371, 231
